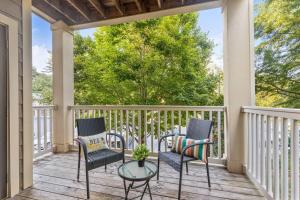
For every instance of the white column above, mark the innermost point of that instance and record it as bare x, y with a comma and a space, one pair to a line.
27, 96
63, 86
239, 87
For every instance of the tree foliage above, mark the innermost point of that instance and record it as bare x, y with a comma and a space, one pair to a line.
157, 61
277, 28
41, 87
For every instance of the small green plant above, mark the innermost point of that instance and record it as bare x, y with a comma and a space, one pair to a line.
140, 152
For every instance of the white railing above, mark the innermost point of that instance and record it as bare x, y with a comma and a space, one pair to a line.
42, 129
273, 150
146, 124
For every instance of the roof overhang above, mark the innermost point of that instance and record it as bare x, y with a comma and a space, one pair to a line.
82, 14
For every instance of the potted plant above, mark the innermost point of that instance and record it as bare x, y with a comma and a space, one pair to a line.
140, 153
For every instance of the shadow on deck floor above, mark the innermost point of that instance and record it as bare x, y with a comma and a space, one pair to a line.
55, 179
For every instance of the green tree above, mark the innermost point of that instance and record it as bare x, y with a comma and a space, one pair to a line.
157, 61
42, 93
277, 28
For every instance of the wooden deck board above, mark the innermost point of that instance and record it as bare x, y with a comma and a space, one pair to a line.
55, 178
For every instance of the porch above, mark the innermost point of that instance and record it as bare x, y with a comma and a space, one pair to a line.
261, 144
271, 148
55, 178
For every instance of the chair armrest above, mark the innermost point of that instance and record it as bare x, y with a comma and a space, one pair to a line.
83, 145
166, 136
192, 145
121, 138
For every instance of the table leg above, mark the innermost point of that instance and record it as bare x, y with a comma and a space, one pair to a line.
144, 190
125, 188
149, 190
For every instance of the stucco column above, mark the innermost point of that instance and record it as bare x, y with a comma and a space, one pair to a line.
239, 83
63, 85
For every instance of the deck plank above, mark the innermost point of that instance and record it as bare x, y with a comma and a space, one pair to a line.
55, 177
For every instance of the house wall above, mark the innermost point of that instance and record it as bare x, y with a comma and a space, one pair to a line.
13, 9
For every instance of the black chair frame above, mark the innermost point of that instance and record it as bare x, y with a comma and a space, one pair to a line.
88, 164
182, 158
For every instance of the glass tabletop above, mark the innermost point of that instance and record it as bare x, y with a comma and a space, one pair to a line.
131, 171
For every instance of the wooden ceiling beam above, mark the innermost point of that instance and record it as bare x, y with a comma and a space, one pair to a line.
61, 9
81, 8
139, 5
118, 6
159, 3
99, 7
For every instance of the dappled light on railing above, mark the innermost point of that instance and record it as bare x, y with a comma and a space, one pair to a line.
42, 117
146, 124
273, 150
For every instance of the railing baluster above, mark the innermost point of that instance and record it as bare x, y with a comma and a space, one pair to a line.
219, 134
276, 158
127, 129
38, 131
295, 160
179, 121
109, 128
45, 130
121, 122
258, 151
51, 127
152, 131
145, 127
33, 129
211, 154
263, 150
133, 129
140, 126
73, 112
166, 127
158, 125
269, 156
186, 119
172, 125
250, 139
116, 126
254, 144
284, 161
172, 121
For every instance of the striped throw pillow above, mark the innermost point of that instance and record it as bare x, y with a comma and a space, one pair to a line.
198, 151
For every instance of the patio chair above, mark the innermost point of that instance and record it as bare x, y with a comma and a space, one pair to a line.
103, 157
197, 130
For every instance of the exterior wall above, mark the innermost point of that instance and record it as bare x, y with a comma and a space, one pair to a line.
13, 9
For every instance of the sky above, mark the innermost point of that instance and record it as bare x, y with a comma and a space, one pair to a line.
210, 21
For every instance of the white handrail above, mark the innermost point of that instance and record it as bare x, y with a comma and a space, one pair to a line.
273, 146
42, 129
147, 123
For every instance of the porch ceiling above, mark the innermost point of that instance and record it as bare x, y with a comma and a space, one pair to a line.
79, 12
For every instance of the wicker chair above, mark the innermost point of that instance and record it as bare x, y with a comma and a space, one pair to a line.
88, 127
198, 130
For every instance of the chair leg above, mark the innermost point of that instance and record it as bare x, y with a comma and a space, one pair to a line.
78, 169
187, 168
208, 178
180, 180
158, 168
105, 167
87, 184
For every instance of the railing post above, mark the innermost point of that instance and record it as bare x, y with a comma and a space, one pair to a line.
63, 86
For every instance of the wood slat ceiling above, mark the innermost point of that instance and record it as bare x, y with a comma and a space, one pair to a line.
76, 12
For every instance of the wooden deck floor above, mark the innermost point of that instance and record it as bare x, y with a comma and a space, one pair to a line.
55, 179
